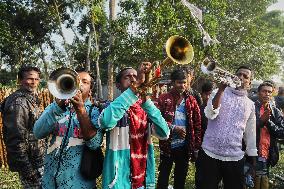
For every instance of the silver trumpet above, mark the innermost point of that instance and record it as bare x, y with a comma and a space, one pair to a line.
209, 66
63, 83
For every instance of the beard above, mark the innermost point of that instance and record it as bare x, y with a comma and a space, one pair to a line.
30, 89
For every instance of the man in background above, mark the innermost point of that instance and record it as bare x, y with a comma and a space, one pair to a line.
20, 111
180, 109
279, 99
269, 126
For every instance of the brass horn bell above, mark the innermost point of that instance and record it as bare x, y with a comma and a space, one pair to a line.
63, 83
179, 51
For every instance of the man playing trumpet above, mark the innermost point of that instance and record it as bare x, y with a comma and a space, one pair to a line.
129, 161
231, 116
68, 129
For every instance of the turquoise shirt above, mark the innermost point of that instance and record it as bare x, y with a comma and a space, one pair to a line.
52, 125
116, 172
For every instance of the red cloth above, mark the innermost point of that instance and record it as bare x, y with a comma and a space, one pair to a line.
167, 104
264, 142
138, 144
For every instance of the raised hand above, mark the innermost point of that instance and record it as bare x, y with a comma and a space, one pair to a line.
78, 102
143, 69
266, 115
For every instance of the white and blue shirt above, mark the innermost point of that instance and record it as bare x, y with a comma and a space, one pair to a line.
179, 121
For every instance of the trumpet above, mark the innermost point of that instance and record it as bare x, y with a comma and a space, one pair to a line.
63, 83
209, 66
179, 51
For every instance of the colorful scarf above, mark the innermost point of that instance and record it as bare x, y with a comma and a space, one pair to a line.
138, 144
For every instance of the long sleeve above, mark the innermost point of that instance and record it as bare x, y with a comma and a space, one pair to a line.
209, 111
47, 121
276, 124
115, 111
250, 134
161, 106
16, 132
160, 127
96, 141
196, 121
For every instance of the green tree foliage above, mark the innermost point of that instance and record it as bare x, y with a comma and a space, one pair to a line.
22, 31
27, 25
23, 28
245, 30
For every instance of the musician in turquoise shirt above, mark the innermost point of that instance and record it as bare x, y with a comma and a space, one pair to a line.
62, 167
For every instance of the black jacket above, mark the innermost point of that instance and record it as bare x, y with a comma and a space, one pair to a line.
275, 126
24, 152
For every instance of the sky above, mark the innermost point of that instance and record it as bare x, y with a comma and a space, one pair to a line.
277, 6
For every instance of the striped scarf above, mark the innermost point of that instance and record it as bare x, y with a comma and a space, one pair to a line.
138, 144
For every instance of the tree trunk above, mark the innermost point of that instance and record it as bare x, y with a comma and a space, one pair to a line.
110, 63
88, 61
44, 63
59, 23
99, 89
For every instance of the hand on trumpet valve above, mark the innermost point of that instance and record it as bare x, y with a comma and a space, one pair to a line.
78, 102
222, 85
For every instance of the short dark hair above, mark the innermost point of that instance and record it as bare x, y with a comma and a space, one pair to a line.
179, 74
264, 84
81, 69
206, 87
247, 68
27, 68
120, 73
271, 82
244, 67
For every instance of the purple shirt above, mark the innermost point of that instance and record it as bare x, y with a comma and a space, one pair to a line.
228, 125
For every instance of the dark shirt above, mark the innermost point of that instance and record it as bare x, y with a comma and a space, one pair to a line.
24, 152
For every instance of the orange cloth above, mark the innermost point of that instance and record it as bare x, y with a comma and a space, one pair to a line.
264, 142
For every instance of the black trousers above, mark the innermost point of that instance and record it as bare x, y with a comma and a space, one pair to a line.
210, 171
180, 157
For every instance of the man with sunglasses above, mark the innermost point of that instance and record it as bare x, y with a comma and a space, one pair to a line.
231, 117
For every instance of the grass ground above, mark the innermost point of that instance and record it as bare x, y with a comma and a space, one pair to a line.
9, 180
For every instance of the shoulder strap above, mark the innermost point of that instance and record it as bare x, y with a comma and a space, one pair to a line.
91, 108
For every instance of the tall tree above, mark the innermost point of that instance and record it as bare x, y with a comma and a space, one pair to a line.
112, 17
